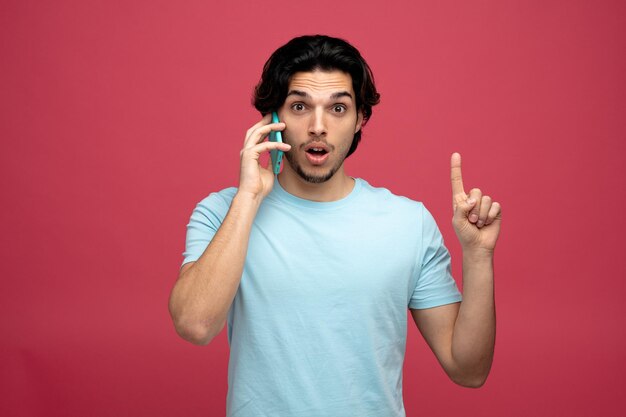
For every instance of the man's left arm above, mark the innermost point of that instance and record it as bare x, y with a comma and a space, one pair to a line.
462, 335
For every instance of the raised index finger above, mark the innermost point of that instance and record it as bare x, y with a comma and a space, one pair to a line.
455, 174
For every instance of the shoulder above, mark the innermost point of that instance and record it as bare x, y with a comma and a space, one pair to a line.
400, 207
217, 202
383, 197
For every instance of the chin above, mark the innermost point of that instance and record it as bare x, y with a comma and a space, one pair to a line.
312, 177
315, 179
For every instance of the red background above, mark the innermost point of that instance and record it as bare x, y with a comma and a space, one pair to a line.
118, 117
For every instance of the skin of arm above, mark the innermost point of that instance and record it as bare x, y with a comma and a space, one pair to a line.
205, 289
462, 335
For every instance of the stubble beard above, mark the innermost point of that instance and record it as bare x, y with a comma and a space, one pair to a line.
311, 178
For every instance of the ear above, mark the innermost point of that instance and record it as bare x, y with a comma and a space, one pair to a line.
359, 121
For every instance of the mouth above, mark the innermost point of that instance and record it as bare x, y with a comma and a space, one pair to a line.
317, 153
316, 148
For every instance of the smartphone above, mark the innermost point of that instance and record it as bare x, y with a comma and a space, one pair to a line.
276, 155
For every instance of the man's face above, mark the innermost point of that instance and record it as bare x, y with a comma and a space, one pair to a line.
321, 119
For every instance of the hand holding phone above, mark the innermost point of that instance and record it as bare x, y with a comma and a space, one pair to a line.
254, 178
276, 155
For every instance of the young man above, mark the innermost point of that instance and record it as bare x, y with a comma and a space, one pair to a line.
313, 270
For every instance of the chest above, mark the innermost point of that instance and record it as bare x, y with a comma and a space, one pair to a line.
328, 260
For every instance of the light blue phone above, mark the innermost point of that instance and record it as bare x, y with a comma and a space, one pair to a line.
276, 155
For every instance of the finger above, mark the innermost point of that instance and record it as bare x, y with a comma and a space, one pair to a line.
485, 206
260, 133
462, 209
495, 213
455, 174
265, 120
256, 150
476, 195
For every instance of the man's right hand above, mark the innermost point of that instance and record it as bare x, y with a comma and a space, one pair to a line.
254, 180
205, 289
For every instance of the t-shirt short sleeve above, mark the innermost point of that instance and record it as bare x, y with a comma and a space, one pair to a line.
435, 285
205, 220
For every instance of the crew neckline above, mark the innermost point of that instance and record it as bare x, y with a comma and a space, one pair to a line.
284, 195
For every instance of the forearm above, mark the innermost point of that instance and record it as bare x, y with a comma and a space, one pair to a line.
202, 296
474, 331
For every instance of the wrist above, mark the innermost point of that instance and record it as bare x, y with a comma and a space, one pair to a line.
248, 199
478, 254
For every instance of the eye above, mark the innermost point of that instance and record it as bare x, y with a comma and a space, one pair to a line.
339, 108
297, 106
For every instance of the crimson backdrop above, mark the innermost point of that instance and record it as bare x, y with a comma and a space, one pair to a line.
117, 117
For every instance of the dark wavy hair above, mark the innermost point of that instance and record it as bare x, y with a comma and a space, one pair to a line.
309, 53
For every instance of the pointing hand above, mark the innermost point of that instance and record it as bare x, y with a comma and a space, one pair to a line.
476, 217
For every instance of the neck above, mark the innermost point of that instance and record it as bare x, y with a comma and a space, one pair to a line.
336, 188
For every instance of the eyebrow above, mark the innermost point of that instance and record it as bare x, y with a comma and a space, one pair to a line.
333, 96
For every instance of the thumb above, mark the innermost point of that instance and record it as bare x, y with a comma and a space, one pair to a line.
463, 208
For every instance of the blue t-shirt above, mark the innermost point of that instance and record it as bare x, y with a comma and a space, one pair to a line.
318, 325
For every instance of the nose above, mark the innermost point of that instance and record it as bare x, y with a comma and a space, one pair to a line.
317, 123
